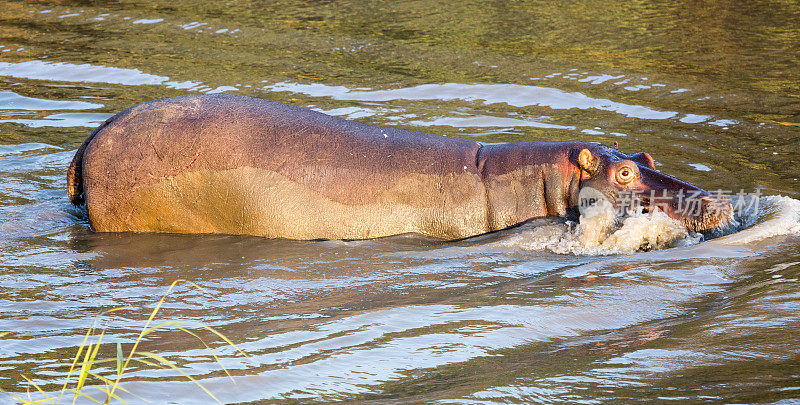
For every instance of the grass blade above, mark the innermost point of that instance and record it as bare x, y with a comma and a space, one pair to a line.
74, 362
25, 401
107, 381
223, 337
84, 372
168, 363
80, 349
141, 335
160, 325
210, 351
87, 354
84, 395
119, 358
37, 388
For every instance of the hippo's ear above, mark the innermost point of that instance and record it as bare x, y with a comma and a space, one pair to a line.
644, 158
586, 161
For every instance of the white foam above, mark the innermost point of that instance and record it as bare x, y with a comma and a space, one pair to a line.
600, 233
776, 216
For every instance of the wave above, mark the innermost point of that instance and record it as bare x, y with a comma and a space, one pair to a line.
600, 232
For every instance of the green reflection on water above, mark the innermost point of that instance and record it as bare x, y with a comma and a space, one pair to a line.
738, 59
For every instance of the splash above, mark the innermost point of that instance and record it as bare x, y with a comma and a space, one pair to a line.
775, 216
600, 232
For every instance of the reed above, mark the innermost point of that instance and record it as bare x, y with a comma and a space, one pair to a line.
83, 365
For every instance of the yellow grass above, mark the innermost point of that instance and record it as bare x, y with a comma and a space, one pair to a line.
86, 359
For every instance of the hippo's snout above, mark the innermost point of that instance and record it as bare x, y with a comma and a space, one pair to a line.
701, 211
637, 184
698, 209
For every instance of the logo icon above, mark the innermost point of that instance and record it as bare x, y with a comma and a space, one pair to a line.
592, 202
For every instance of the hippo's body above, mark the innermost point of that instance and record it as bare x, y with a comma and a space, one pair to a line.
239, 165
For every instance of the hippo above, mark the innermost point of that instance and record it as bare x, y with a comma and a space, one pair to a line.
239, 165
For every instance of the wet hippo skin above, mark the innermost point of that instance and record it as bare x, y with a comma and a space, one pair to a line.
239, 165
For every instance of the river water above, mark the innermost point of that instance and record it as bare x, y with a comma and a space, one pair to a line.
547, 312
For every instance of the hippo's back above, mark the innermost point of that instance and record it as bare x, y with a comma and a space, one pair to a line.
234, 164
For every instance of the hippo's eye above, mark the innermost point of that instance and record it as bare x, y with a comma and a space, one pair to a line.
625, 175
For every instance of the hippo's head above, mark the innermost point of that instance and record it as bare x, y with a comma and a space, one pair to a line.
630, 181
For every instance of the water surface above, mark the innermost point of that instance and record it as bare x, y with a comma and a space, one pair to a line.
538, 313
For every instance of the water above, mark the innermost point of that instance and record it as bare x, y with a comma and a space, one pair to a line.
547, 312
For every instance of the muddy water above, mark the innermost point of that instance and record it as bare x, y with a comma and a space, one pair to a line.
547, 312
